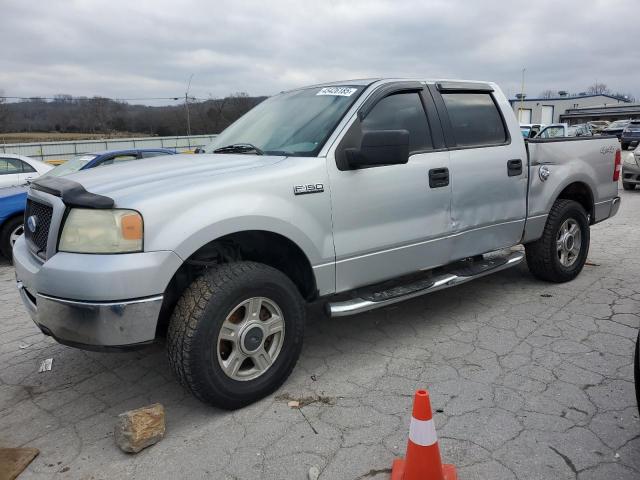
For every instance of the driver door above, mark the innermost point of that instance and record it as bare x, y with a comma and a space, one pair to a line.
390, 220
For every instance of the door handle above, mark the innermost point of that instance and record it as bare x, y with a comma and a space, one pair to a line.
438, 177
514, 167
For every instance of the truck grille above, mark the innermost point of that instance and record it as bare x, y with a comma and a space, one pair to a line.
42, 214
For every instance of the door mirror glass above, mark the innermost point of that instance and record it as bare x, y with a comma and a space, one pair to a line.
380, 147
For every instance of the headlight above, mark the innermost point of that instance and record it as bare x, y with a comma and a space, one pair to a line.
630, 159
102, 231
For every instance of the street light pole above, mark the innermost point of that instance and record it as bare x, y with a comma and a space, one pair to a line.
521, 97
186, 105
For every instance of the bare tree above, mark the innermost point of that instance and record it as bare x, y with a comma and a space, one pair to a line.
625, 97
4, 112
598, 89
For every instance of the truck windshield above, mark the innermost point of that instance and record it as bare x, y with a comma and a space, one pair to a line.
292, 123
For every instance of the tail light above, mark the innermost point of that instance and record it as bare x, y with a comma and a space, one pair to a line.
617, 165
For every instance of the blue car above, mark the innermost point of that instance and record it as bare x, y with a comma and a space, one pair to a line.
13, 199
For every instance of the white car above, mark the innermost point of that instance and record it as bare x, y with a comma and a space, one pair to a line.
18, 169
557, 130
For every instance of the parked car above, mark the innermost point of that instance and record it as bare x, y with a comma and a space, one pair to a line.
616, 128
563, 130
101, 159
366, 188
630, 135
631, 171
530, 130
18, 169
597, 126
12, 202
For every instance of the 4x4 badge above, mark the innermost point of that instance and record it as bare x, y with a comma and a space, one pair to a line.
311, 188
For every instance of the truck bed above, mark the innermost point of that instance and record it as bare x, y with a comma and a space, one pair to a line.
589, 161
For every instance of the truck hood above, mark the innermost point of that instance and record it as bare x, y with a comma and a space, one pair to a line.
159, 175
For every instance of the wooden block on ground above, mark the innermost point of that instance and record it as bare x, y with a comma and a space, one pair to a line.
140, 428
13, 461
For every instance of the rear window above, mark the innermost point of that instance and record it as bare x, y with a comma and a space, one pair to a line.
475, 119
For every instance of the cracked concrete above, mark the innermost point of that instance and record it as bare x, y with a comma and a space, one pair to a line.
528, 380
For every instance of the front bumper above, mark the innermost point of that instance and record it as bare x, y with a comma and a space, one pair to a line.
631, 173
94, 326
95, 301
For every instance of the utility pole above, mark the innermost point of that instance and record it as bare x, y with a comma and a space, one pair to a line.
521, 97
186, 105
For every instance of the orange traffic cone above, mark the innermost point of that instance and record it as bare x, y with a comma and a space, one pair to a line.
422, 461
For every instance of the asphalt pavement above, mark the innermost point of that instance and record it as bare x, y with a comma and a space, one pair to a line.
528, 380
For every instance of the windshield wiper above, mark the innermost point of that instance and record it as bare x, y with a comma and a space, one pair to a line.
239, 148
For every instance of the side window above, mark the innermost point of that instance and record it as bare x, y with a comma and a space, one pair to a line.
402, 111
118, 159
475, 119
10, 166
552, 132
26, 168
153, 154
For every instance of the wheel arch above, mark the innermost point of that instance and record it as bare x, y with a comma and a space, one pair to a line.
262, 246
580, 192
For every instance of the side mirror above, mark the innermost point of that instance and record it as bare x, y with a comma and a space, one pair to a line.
380, 147
198, 150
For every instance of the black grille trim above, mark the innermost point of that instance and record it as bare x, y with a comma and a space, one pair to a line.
38, 240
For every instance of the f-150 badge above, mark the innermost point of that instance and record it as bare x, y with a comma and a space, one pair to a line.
311, 188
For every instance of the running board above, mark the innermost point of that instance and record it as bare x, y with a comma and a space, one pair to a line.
369, 300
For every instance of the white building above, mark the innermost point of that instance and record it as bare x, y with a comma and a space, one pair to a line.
549, 110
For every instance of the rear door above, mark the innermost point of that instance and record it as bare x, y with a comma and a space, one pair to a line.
10, 171
488, 169
28, 172
390, 220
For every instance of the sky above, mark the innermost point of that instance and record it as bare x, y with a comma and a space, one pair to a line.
150, 48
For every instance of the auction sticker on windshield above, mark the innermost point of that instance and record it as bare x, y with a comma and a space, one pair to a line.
339, 91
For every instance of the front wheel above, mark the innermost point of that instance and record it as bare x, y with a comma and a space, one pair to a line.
9, 234
236, 333
628, 186
559, 255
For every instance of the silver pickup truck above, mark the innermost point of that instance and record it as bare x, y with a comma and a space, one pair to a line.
358, 194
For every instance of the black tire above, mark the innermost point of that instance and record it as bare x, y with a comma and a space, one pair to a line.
628, 186
636, 371
542, 255
192, 338
5, 235
624, 145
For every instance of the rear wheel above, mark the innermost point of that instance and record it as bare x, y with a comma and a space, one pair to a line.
9, 233
236, 333
559, 255
628, 186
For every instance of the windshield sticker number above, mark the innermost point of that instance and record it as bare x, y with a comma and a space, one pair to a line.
337, 91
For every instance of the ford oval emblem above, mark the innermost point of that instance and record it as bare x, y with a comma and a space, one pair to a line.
32, 223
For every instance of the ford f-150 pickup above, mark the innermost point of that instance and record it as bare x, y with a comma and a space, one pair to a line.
358, 194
